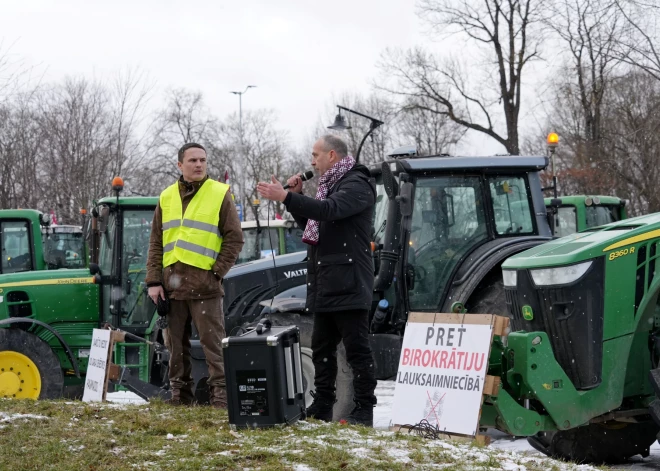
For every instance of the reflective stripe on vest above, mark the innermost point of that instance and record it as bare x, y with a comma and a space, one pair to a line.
192, 238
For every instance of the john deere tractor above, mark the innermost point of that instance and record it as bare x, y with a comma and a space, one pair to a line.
580, 369
28, 241
578, 212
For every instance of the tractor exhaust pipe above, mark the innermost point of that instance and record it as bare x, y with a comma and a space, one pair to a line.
389, 255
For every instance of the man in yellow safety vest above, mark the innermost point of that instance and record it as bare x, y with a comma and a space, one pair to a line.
195, 239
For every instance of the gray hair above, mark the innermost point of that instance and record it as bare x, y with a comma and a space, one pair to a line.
332, 142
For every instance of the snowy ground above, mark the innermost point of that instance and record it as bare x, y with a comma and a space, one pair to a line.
382, 413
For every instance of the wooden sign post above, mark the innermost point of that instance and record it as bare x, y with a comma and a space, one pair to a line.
442, 374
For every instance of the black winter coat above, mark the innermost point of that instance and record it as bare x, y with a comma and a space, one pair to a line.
340, 269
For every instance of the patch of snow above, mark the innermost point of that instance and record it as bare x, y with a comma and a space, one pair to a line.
6, 418
124, 397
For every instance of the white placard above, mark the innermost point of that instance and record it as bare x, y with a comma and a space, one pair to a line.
96, 368
442, 370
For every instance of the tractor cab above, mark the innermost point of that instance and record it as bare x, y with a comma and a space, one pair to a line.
579, 212
64, 246
28, 241
120, 243
454, 217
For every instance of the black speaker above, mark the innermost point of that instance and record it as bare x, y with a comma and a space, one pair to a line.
263, 370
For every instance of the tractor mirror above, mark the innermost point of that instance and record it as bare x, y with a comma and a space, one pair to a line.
389, 182
104, 215
405, 199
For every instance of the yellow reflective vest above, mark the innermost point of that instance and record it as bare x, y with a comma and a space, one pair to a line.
192, 238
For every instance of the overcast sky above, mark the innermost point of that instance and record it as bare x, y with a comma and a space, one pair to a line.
299, 53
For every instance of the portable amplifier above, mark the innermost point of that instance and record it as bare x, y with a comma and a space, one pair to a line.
263, 370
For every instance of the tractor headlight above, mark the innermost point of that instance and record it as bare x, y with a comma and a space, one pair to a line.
559, 275
510, 277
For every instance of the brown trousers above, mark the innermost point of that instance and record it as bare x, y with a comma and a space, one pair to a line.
209, 319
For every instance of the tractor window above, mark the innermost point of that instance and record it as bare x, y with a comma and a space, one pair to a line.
137, 308
16, 247
565, 221
64, 249
380, 213
599, 215
293, 240
511, 206
448, 221
106, 254
257, 244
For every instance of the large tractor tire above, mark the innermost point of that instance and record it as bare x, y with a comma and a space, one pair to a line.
604, 443
489, 297
29, 369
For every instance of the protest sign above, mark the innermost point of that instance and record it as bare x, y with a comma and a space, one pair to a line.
99, 356
442, 370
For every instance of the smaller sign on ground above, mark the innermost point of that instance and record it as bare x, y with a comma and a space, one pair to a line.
442, 371
97, 366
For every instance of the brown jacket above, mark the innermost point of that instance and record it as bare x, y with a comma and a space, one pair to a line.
183, 281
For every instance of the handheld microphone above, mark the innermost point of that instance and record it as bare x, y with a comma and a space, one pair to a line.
304, 177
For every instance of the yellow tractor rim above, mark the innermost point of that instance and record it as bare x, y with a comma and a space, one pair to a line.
19, 376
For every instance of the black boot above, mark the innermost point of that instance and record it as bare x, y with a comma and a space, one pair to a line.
321, 408
362, 414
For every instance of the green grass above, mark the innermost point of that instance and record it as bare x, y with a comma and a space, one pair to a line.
59, 435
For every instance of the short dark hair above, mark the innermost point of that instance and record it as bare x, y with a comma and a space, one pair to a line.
332, 142
189, 145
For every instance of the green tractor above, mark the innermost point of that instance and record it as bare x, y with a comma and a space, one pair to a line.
28, 241
578, 212
580, 369
48, 313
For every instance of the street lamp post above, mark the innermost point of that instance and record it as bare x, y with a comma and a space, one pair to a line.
240, 127
340, 125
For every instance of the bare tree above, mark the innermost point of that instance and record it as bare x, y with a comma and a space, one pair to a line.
505, 30
253, 154
184, 119
431, 132
129, 93
639, 47
589, 30
634, 128
77, 151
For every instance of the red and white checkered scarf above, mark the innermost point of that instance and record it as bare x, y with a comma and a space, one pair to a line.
327, 181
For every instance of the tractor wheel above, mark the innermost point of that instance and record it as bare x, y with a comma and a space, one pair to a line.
29, 369
305, 324
489, 297
609, 442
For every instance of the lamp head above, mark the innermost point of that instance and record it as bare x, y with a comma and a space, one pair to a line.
339, 124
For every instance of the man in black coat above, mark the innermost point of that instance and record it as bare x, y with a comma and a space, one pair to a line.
340, 271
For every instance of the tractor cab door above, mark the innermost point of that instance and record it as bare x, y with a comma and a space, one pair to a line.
448, 220
123, 249
16, 246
